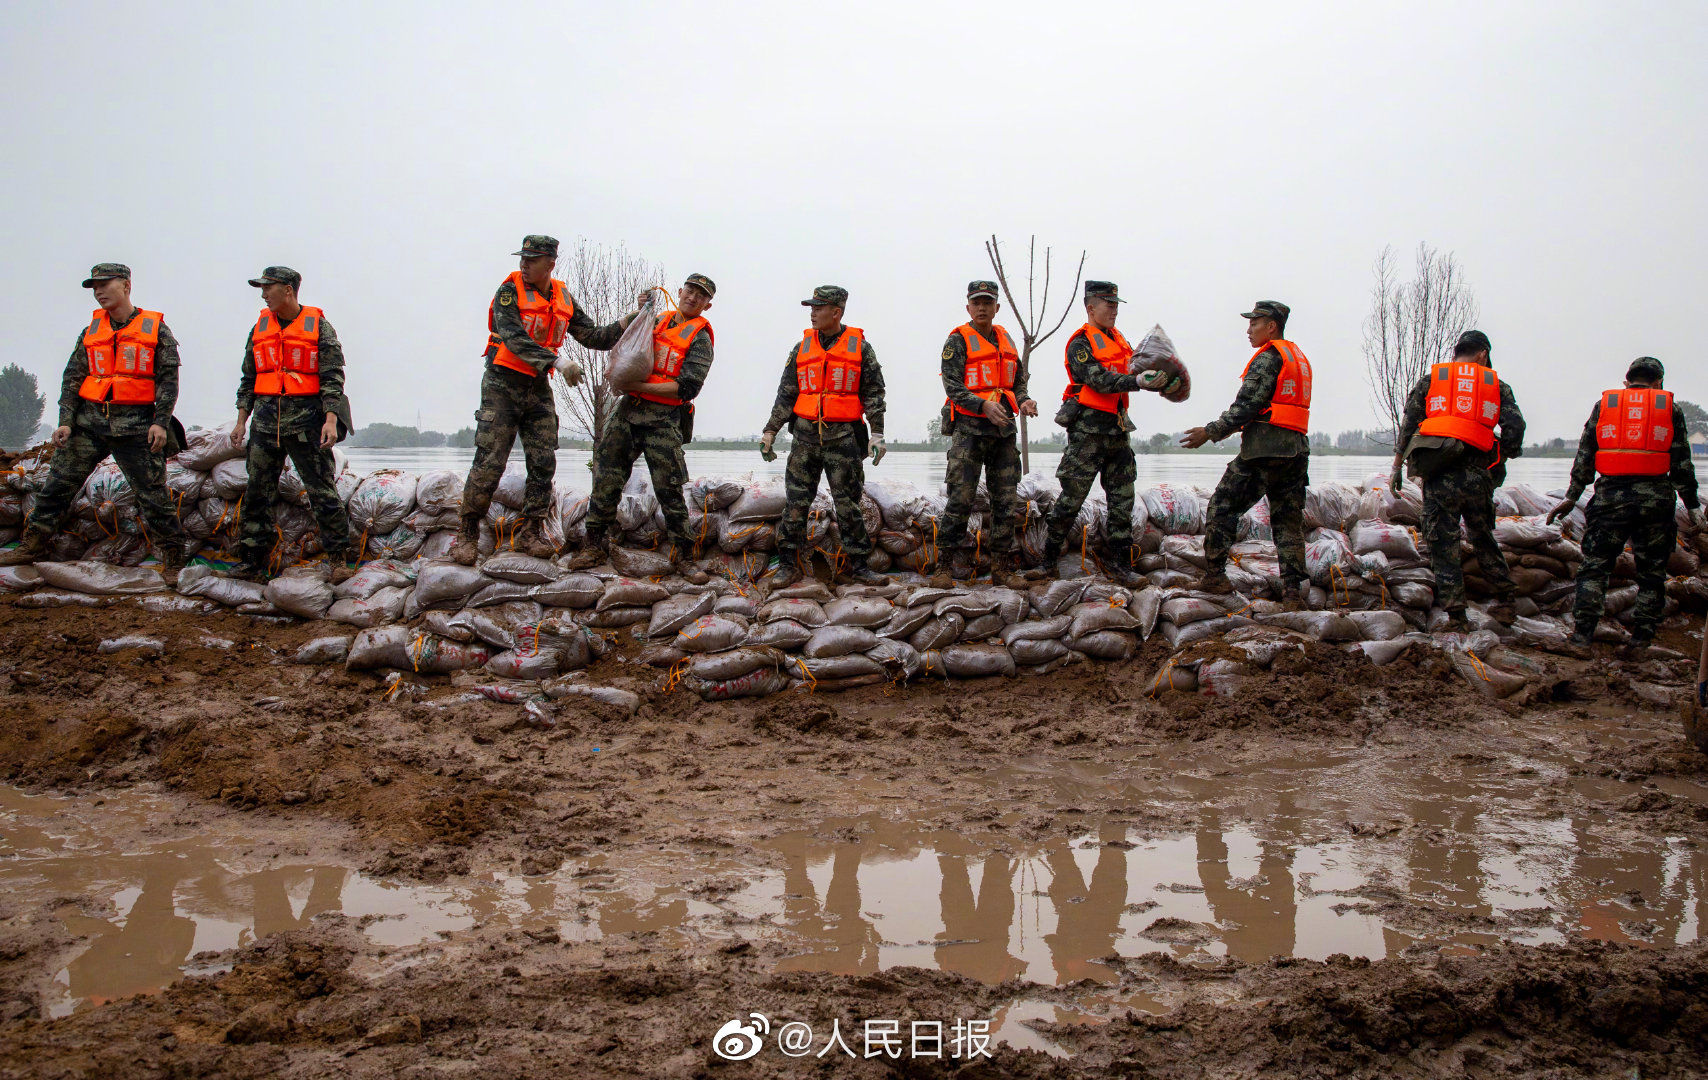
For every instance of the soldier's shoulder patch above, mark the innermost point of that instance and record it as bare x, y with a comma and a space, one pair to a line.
948, 352
507, 295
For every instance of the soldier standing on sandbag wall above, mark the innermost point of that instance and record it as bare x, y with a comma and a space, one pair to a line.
293, 387
1637, 451
986, 390
527, 321
117, 397
1094, 411
1448, 438
831, 389
655, 421
1272, 413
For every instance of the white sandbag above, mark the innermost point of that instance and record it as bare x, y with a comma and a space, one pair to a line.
867, 611
206, 447
1525, 533
629, 362
1106, 645
806, 612
1184, 552
571, 591
447, 585
100, 579
1331, 505
1174, 509
977, 661
1036, 630
1541, 630
1178, 637
302, 591
140, 643
228, 480
512, 489
106, 496
564, 686
1156, 353
1393, 541
1412, 595
439, 490
52, 598
407, 649
904, 621
332, 649
710, 633
630, 592
1486, 679
500, 592
1146, 606
1182, 678
761, 682
1256, 524
1329, 558
19, 579
966, 605
381, 607
634, 563
985, 626
828, 641
1378, 625
781, 634
520, 568
891, 497
762, 499
848, 666
381, 502
1528, 501
1037, 650
899, 659
940, 631
673, 613
1381, 653
367, 581
1317, 625
733, 604
401, 543
203, 582
1184, 610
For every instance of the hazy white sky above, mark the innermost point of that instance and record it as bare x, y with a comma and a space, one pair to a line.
1206, 155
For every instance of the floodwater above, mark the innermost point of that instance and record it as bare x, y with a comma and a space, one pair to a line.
928, 469
1340, 852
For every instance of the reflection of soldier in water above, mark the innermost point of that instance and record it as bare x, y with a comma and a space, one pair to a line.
1266, 915
147, 953
983, 924
1446, 873
838, 921
271, 889
1088, 919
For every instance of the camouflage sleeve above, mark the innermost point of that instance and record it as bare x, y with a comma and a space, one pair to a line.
787, 390
1511, 424
1583, 466
76, 370
1417, 403
507, 324
1683, 468
695, 367
872, 389
590, 335
331, 369
246, 380
1256, 391
954, 374
165, 377
1088, 372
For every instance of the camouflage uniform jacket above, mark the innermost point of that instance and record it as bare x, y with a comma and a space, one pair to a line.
1437, 453
122, 420
508, 323
299, 414
954, 374
811, 431
1258, 438
1680, 478
1086, 371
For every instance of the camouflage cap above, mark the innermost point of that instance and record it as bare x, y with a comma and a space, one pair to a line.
1646, 368
701, 282
1471, 341
1268, 309
106, 272
976, 289
538, 244
278, 275
1107, 290
827, 296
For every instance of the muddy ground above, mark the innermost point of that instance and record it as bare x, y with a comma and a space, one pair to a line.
314, 764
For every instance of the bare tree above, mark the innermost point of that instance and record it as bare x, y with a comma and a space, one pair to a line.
1035, 316
604, 283
1412, 324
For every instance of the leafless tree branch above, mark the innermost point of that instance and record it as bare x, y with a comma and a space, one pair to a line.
1412, 325
1030, 321
604, 283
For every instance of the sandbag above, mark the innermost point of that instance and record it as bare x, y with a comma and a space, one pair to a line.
1037, 650
407, 649
1036, 630
633, 563
1525, 533
1394, 541
520, 568
761, 499
500, 592
1224, 677
367, 581
1381, 653
1146, 606
229, 479
781, 634
100, 579
614, 618
446, 585
1174, 509
301, 591
571, 591
761, 682
1378, 625
232, 592
904, 621
671, 614
1090, 618
941, 630
1183, 610
847, 666
977, 661
1329, 558
381, 502
828, 641
1332, 505
966, 605
899, 659
629, 362
710, 633
1178, 637
439, 490
866, 611
734, 663
805, 612
513, 664
383, 606
1317, 625
628, 592
563, 687
745, 606
511, 625
17, 579
985, 626
206, 447
1156, 353
323, 650
1106, 645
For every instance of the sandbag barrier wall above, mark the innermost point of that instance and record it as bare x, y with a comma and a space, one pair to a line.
525, 621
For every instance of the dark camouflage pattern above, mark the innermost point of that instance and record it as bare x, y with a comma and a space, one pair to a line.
1259, 440
1466, 492
124, 419
1268, 309
277, 275
538, 244
972, 450
1106, 290
660, 443
827, 296
1087, 456
266, 458
297, 414
703, 283
842, 464
1642, 514
1247, 480
106, 272
93, 439
983, 287
512, 405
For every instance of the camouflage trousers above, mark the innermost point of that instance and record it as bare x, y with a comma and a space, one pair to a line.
267, 453
512, 404
614, 459
999, 457
1642, 514
90, 445
842, 464
1087, 456
1246, 480
1465, 492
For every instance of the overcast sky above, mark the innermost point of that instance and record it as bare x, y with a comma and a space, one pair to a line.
1205, 155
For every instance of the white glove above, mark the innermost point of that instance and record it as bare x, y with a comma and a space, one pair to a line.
878, 449
568, 369
1154, 380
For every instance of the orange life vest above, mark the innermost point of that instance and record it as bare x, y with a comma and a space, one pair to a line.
1290, 407
545, 317
1111, 350
829, 380
1633, 433
669, 347
991, 369
1464, 403
287, 358
121, 362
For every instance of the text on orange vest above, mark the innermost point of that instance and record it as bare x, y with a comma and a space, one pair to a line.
545, 316
1463, 403
669, 348
121, 362
1290, 405
287, 358
1111, 350
1633, 433
991, 369
827, 381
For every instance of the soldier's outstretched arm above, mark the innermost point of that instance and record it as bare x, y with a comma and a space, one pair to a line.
1255, 393
590, 335
507, 324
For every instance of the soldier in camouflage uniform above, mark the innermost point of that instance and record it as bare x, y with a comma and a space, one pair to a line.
828, 424
655, 421
527, 321
1094, 411
299, 415
981, 428
1459, 481
96, 420
1639, 508
1272, 460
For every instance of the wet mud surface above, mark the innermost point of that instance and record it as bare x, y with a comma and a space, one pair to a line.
220, 863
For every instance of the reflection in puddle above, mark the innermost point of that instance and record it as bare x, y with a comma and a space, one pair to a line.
1293, 859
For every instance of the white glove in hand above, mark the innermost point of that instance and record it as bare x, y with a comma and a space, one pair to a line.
1155, 380
878, 449
569, 370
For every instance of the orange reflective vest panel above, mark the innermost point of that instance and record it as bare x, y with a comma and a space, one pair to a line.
287, 358
1290, 406
121, 362
545, 317
991, 369
669, 347
1463, 403
828, 380
1633, 433
1111, 350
